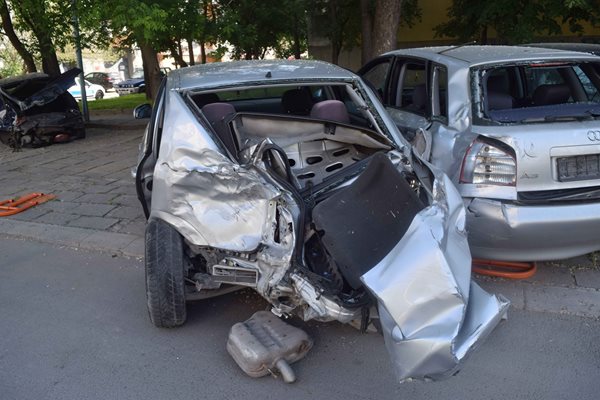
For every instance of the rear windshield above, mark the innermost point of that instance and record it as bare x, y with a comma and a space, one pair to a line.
539, 92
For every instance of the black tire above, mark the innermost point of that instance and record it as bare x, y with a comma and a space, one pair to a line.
99, 95
165, 286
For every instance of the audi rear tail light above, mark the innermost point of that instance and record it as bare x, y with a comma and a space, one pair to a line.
489, 163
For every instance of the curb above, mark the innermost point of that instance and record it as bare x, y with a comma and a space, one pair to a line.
527, 296
75, 238
115, 126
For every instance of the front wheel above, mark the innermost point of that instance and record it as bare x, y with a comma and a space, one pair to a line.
165, 285
99, 95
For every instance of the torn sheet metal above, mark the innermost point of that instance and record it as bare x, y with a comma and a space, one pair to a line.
215, 202
432, 315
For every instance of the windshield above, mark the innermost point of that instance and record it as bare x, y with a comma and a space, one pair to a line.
540, 91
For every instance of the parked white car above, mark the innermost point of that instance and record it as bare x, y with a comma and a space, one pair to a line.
92, 91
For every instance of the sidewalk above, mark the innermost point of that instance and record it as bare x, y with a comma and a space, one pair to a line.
97, 209
96, 205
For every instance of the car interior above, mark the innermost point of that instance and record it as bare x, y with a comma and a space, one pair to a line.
529, 88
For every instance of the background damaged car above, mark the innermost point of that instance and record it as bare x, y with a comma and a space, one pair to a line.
289, 178
36, 110
517, 129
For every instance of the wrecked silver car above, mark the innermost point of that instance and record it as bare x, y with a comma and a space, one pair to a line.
289, 178
517, 129
36, 110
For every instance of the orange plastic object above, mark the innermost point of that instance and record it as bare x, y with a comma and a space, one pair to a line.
14, 206
504, 269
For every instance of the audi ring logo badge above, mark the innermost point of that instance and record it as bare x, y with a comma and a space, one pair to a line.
594, 136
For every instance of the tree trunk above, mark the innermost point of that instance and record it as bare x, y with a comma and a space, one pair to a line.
386, 23
177, 55
151, 70
366, 31
483, 36
202, 52
297, 49
7, 26
191, 50
50, 63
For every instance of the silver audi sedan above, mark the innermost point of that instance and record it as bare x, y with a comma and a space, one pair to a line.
289, 177
517, 129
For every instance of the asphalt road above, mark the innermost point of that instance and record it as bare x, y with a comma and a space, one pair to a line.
74, 326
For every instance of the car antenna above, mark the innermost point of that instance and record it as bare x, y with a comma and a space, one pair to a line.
458, 46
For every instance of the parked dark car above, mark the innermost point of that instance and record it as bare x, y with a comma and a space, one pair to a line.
36, 110
101, 78
136, 83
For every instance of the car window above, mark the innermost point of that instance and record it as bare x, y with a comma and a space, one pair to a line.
412, 89
540, 91
591, 91
377, 76
439, 90
255, 93
542, 76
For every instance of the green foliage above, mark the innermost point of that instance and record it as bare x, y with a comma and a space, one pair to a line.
11, 62
253, 26
127, 102
515, 21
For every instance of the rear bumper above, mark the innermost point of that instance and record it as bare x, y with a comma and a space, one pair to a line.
510, 232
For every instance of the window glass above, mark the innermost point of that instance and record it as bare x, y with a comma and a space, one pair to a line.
377, 76
412, 95
590, 89
439, 86
542, 76
255, 93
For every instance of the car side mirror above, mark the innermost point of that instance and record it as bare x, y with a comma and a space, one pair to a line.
142, 111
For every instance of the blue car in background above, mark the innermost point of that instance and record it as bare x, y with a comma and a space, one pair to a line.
136, 83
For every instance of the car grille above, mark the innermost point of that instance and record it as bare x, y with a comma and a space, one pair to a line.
578, 168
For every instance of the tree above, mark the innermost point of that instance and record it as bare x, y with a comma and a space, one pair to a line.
472, 19
381, 20
14, 39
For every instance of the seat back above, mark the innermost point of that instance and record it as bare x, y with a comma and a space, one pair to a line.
296, 102
219, 115
545, 95
332, 110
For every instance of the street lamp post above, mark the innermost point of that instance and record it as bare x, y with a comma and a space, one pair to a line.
75, 21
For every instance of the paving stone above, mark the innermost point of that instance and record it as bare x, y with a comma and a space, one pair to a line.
67, 195
61, 206
579, 301
127, 212
128, 189
97, 198
128, 200
98, 188
29, 214
100, 223
588, 278
56, 218
553, 275
94, 210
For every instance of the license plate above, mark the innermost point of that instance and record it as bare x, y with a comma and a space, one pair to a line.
578, 168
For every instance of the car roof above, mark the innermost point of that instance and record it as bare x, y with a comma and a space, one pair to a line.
583, 47
255, 71
475, 54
